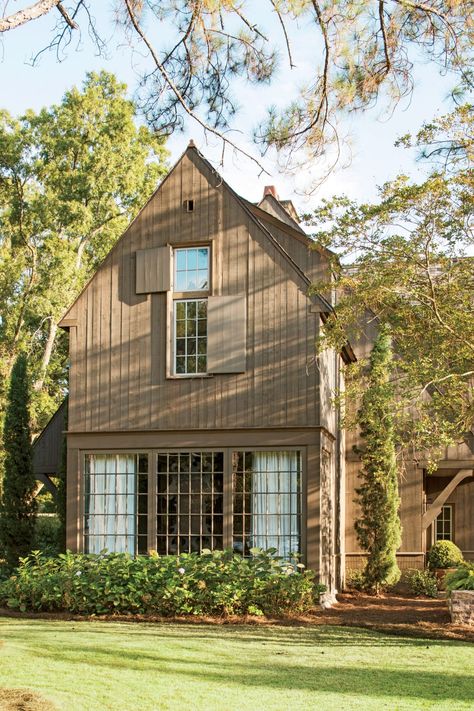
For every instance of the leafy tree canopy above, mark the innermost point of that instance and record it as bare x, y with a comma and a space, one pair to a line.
411, 266
196, 49
71, 178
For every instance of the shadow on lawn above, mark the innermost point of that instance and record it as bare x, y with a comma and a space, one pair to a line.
329, 635
264, 666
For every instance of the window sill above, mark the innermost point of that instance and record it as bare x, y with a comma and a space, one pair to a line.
190, 376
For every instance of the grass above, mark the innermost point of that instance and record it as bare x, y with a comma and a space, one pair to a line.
90, 666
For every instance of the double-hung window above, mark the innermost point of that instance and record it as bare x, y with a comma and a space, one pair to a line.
190, 291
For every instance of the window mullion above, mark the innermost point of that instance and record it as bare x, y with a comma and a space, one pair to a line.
227, 503
152, 502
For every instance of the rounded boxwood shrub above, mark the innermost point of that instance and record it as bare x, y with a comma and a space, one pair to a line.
210, 583
444, 554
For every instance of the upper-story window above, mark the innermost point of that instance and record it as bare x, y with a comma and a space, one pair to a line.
191, 269
191, 274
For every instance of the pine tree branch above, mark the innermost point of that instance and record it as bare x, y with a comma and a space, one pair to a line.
27, 14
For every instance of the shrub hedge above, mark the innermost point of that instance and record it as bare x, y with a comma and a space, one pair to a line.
210, 583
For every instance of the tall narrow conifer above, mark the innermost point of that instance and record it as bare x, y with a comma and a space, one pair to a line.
378, 528
17, 504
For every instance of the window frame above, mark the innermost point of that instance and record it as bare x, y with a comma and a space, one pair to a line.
152, 454
173, 296
451, 524
183, 248
83, 513
174, 354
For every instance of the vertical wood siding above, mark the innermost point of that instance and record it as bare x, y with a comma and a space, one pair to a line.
118, 358
153, 271
462, 499
226, 334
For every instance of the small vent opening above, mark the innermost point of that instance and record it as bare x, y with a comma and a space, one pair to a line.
188, 205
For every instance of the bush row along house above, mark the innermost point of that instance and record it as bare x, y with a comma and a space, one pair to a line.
198, 415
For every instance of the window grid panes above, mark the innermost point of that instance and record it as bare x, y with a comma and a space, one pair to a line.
116, 503
191, 269
190, 327
190, 501
444, 524
267, 501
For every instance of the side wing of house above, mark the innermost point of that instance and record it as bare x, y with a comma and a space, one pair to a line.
433, 506
192, 360
449, 498
48, 449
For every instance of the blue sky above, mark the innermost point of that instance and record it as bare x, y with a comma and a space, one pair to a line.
374, 158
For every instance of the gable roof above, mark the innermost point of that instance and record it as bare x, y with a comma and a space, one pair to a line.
259, 217
282, 209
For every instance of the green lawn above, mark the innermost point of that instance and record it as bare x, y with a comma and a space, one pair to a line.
99, 665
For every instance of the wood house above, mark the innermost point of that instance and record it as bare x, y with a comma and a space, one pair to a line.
199, 416
434, 506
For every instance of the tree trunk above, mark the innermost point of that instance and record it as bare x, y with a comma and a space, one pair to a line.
48, 349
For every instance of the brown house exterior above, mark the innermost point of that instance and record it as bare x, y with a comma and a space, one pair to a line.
436, 506
199, 416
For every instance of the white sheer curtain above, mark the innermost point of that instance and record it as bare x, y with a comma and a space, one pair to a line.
275, 519
111, 515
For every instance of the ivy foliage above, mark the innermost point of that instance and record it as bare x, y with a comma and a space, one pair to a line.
17, 503
378, 527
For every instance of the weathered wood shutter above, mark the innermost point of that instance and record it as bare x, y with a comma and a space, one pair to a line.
153, 270
226, 334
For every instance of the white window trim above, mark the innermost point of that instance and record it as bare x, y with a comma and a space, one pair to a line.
174, 295
174, 266
204, 374
451, 522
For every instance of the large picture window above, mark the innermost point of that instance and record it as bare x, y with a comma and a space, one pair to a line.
190, 496
115, 513
201, 499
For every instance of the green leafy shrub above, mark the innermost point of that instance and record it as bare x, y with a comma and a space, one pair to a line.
444, 554
5, 570
213, 583
46, 535
422, 582
355, 580
461, 579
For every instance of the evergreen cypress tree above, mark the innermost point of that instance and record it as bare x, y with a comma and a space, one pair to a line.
17, 504
378, 528
61, 492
